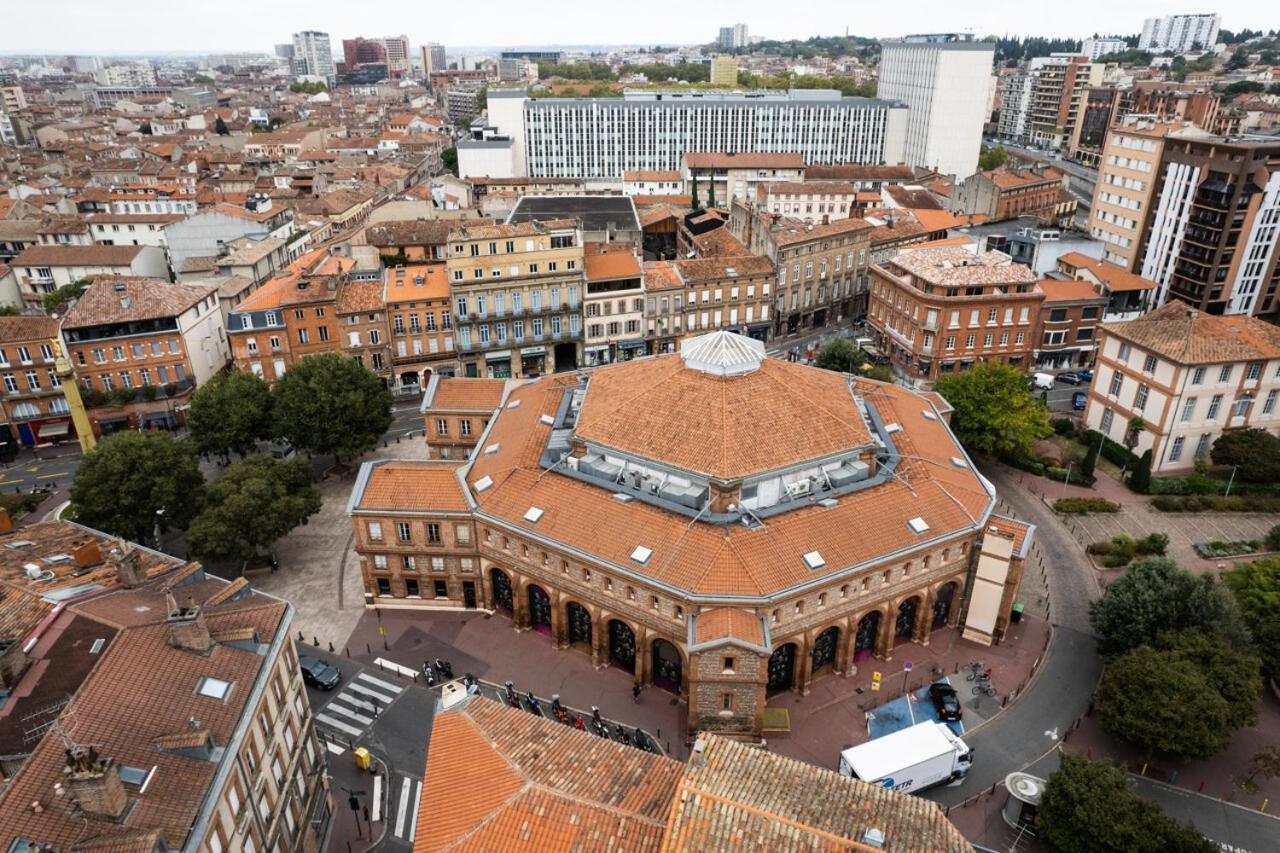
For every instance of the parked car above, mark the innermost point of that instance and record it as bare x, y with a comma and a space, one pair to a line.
318, 674
945, 700
1067, 379
1086, 375
1079, 400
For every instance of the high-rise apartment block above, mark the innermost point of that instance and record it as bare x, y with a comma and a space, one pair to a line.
1197, 214
362, 51
396, 50
433, 58
1096, 47
1179, 33
313, 54
1043, 105
724, 71
945, 81
732, 37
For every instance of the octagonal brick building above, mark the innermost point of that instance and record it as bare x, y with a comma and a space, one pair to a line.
718, 523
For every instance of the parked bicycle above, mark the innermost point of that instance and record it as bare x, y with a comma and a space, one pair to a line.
984, 689
981, 677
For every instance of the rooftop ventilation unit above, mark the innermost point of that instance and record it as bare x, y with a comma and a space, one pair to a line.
483, 483
532, 515
829, 503
514, 404
892, 428
814, 560
546, 420
492, 449
918, 525
641, 554
958, 462
623, 498
929, 414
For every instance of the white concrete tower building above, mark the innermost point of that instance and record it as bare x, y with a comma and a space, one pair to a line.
313, 54
945, 81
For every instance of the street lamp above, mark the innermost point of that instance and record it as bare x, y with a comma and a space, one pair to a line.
1067, 479
1231, 480
159, 517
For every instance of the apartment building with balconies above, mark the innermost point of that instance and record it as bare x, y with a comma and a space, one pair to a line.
938, 310
43, 269
1190, 376
517, 297
1128, 174
613, 309
33, 405
421, 325
362, 327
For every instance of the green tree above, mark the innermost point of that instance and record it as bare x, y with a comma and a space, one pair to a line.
1265, 763
1243, 87
449, 157
1238, 60
841, 355
1090, 459
992, 158
255, 502
994, 411
1184, 697
1088, 807
220, 127
231, 413
328, 404
1255, 452
1140, 479
57, 300
133, 482
10, 311
1256, 589
1153, 596
145, 129
311, 88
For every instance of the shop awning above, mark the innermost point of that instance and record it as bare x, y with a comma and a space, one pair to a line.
54, 430
631, 344
498, 355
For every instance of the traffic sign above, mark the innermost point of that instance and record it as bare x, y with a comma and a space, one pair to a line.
382, 631
875, 686
875, 676
907, 666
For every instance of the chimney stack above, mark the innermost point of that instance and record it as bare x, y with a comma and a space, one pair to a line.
128, 563
6, 523
93, 783
187, 628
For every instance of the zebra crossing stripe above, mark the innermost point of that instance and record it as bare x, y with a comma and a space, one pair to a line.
403, 811
359, 718
364, 691
355, 701
378, 682
413, 816
339, 725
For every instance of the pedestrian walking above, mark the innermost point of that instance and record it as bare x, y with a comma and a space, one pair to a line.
635, 693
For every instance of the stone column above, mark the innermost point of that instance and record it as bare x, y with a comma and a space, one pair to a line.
559, 621
844, 651
884, 642
924, 618
599, 637
804, 666
520, 604
644, 658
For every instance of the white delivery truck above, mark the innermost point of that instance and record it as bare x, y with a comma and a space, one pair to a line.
909, 759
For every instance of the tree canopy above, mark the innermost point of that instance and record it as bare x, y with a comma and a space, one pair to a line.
992, 158
231, 413
1088, 807
844, 356
994, 411
328, 404
313, 87
220, 127
1186, 696
55, 301
255, 502
133, 481
449, 158
1153, 596
1256, 588
1255, 451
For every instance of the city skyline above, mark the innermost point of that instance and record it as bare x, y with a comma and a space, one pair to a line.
83, 27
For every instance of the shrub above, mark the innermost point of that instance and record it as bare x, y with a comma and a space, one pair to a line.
1153, 544
1026, 463
1100, 549
1063, 426
1216, 503
1077, 476
120, 396
1080, 506
1116, 454
1140, 479
1218, 549
148, 392
1273, 538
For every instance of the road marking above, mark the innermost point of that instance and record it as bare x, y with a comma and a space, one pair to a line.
1051, 733
359, 718
50, 476
413, 815
9, 482
394, 667
339, 725
335, 749
381, 697
378, 682
357, 702
403, 811
377, 798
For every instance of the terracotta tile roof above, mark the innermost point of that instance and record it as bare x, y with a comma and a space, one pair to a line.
811, 413
412, 232
416, 281
763, 191
119, 299
1008, 179
793, 231
709, 559
740, 797
936, 220
913, 198
1187, 336
652, 214
858, 172
465, 394
610, 265
698, 270
27, 328
1116, 278
508, 780
77, 256
742, 160
1056, 290
724, 622
358, 297
410, 485
719, 243
954, 266
651, 175
660, 275
467, 231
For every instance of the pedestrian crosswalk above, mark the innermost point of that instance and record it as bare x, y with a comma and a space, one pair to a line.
402, 808
353, 710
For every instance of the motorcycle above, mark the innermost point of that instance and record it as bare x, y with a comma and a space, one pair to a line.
428, 674
534, 707
513, 698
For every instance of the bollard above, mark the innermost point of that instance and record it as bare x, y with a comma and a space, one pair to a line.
1263, 807
1173, 777
301, 639
385, 647
367, 650
1201, 788
346, 650
1088, 753
315, 641
331, 647
1143, 771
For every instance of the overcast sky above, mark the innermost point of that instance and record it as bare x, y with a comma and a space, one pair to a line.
123, 26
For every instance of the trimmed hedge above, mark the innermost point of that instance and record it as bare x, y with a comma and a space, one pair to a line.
1216, 503
1216, 548
1117, 454
1080, 506
1063, 426
1122, 548
1078, 477
1194, 485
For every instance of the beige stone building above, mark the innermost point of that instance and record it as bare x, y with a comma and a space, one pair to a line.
517, 297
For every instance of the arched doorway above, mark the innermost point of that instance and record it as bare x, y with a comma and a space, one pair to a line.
579, 623
539, 610
905, 625
502, 597
782, 668
942, 605
666, 666
622, 645
824, 648
864, 641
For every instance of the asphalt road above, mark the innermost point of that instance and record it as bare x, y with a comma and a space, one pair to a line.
1233, 828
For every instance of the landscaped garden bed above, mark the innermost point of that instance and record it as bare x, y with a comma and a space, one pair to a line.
1083, 506
1123, 548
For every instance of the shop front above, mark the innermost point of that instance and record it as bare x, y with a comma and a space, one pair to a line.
533, 361
498, 364
628, 350
760, 331
595, 355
